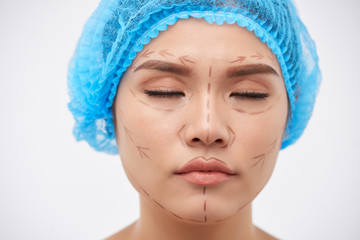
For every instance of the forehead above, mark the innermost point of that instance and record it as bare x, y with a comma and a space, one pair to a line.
201, 40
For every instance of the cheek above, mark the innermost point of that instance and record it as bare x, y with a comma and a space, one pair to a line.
144, 134
259, 138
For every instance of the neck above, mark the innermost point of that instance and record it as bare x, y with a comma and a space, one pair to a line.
157, 224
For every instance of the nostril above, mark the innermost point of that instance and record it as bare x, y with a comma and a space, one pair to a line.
219, 141
196, 139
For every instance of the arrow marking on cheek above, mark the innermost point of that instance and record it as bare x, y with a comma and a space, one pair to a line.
210, 71
259, 158
147, 195
142, 153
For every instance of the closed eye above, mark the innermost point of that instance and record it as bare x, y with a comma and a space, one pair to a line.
164, 93
249, 95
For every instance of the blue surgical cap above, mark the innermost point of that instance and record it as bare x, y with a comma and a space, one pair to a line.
119, 29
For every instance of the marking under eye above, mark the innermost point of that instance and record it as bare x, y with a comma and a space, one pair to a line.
148, 105
210, 71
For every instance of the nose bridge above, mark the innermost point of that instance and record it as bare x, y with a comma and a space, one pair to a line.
205, 124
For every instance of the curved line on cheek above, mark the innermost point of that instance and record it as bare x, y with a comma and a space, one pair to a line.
179, 135
272, 146
147, 195
237, 210
255, 113
262, 157
141, 150
233, 136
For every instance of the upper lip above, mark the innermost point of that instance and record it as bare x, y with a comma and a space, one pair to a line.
201, 164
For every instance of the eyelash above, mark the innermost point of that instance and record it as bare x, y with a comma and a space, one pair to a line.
176, 94
164, 94
249, 95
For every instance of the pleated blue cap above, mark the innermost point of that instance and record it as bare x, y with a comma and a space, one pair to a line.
119, 29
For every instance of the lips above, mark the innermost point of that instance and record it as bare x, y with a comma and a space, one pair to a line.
201, 171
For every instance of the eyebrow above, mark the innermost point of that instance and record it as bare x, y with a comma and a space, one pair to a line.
165, 67
251, 69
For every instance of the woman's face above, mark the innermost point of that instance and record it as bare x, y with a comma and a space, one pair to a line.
206, 96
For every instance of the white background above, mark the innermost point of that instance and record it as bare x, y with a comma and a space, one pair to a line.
54, 188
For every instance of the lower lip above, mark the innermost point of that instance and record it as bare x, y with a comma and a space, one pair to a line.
205, 178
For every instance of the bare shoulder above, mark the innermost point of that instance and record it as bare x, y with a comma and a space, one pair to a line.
262, 235
124, 234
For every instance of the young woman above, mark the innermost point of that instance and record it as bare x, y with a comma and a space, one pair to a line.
197, 97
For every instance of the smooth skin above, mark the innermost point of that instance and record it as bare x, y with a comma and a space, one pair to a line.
199, 90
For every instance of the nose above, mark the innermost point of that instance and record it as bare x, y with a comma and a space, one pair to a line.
206, 124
